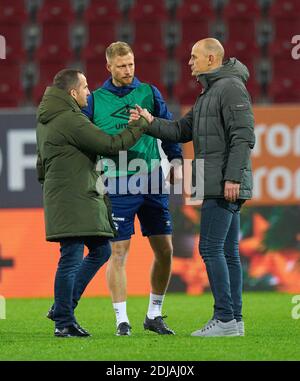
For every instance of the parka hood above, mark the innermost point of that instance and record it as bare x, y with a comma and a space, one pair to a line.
230, 68
54, 102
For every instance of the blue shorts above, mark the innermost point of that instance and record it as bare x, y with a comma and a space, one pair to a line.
152, 211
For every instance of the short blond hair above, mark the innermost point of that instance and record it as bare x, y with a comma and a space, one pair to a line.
118, 48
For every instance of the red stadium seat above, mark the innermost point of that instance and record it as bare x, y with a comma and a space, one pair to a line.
96, 73
241, 49
55, 44
148, 11
193, 31
99, 37
148, 49
14, 44
286, 67
285, 85
254, 89
241, 30
148, 40
55, 34
285, 9
182, 51
190, 33
285, 16
187, 88
102, 11
281, 48
194, 10
285, 90
54, 52
239, 18
150, 71
285, 29
12, 12
38, 93
11, 92
242, 9
94, 52
56, 12
103, 34
47, 72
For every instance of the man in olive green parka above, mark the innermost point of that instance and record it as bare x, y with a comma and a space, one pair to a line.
77, 212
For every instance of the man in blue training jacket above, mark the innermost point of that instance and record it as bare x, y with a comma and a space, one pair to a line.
108, 108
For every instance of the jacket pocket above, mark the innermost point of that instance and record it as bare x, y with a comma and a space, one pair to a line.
237, 109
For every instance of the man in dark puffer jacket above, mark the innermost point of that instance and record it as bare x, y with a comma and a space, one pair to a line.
221, 126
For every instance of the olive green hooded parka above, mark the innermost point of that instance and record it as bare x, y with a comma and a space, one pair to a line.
67, 146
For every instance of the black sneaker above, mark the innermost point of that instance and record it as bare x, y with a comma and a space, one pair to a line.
158, 325
82, 329
124, 329
73, 330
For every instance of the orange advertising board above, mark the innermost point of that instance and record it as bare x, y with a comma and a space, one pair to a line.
275, 157
34, 260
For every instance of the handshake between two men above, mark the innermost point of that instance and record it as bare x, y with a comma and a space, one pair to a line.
141, 117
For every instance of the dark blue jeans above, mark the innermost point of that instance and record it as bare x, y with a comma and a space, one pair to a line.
219, 248
74, 273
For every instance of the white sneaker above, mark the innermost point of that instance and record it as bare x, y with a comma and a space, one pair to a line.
216, 327
241, 328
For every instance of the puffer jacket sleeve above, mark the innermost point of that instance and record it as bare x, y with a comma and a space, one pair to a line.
239, 129
172, 150
180, 131
87, 137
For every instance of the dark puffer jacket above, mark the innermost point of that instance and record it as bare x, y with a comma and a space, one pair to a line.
221, 126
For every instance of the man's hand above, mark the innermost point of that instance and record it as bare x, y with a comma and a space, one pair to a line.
231, 191
136, 113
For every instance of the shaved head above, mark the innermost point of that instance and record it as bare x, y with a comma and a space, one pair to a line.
206, 55
212, 46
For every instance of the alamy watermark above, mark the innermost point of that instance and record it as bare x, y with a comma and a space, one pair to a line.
2, 48
2, 307
114, 180
296, 308
296, 49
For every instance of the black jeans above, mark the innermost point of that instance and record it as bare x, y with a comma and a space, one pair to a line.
74, 273
219, 248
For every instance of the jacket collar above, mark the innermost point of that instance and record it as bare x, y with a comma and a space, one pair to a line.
232, 68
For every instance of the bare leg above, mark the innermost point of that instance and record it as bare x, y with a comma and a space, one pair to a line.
161, 266
116, 271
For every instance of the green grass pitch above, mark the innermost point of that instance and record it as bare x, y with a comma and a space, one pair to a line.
271, 332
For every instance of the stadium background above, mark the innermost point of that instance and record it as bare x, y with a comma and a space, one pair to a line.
44, 36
